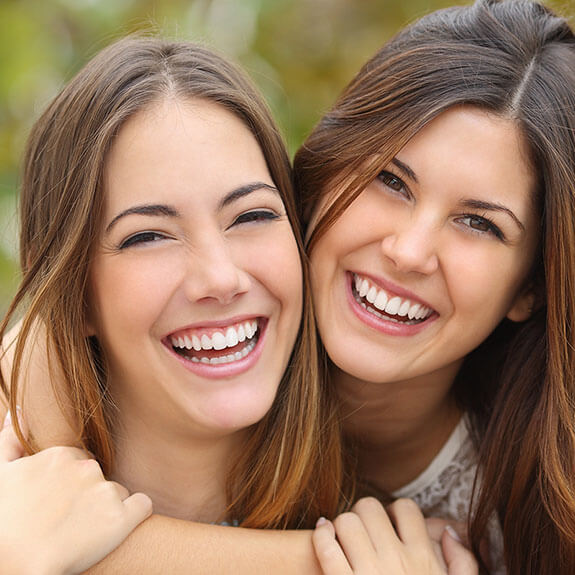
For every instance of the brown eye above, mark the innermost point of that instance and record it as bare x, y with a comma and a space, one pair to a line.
479, 224
391, 181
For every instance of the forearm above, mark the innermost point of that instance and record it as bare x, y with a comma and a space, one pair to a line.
164, 545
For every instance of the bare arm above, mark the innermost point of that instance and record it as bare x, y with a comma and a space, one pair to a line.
163, 545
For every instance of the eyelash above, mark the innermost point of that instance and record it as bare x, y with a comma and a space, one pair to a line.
255, 216
245, 218
140, 238
397, 185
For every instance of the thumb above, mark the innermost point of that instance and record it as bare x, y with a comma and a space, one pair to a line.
459, 560
10, 446
138, 507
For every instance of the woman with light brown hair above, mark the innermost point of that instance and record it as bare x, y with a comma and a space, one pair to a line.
438, 195
159, 255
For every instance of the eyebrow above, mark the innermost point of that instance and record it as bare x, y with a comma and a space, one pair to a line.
405, 169
170, 211
492, 207
242, 191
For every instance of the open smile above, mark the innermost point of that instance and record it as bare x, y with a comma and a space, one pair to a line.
380, 303
217, 346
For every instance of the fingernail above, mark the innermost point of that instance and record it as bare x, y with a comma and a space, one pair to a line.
7, 419
321, 521
453, 534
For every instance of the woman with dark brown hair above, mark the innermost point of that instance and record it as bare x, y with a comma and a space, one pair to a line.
441, 200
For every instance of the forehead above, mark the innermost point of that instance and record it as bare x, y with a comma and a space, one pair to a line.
178, 149
477, 153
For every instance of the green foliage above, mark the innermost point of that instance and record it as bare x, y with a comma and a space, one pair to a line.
300, 52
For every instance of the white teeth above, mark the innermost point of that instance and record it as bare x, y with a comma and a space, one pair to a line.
413, 311
226, 358
381, 300
218, 340
206, 342
232, 337
423, 312
371, 294
393, 306
404, 308
196, 343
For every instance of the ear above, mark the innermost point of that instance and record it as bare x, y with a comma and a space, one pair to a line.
89, 328
90, 323
522, 306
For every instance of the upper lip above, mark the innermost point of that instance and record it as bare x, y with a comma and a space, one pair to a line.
392, 289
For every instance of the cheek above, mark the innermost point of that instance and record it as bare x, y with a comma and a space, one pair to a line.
126, 296
277, 266
485, 282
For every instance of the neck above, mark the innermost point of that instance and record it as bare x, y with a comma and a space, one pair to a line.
398, 427
185, 477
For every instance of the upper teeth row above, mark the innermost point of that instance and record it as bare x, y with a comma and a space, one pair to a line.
218, 340
391, 305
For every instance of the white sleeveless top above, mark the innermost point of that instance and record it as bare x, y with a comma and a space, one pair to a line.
444, 489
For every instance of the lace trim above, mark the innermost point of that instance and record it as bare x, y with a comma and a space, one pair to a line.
444, 489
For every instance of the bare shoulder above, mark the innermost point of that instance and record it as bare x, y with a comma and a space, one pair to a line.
6, 360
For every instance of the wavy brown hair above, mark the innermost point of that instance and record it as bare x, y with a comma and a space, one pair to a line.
289, 473
515, 59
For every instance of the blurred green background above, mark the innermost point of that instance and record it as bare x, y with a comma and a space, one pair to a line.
299, 52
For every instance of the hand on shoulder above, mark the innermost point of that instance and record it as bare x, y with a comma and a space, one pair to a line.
372, 540
58, 514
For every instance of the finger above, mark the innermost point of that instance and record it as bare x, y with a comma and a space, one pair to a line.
138, 507
376, 522
355, 541
409, 522
122, 492
459, 559
329, 554
10, 446
436, 527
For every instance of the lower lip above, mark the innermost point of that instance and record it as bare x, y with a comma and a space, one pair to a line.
382, 325
225, 370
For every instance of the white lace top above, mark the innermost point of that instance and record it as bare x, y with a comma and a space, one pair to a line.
444, 488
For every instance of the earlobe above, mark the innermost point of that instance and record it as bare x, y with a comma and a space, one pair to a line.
522, 307
89, 326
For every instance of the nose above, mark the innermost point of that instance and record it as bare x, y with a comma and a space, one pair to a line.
412, 247
215, 275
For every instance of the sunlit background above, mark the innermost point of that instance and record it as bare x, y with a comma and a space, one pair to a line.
299, 52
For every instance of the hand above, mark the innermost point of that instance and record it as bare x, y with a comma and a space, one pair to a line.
371, 542
58, 515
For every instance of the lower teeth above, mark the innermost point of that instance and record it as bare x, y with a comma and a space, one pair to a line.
226, 358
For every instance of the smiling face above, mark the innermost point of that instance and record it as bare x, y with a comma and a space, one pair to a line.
195, 286
432, 255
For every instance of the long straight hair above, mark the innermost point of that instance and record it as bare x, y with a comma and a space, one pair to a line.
515, 59
290, 471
